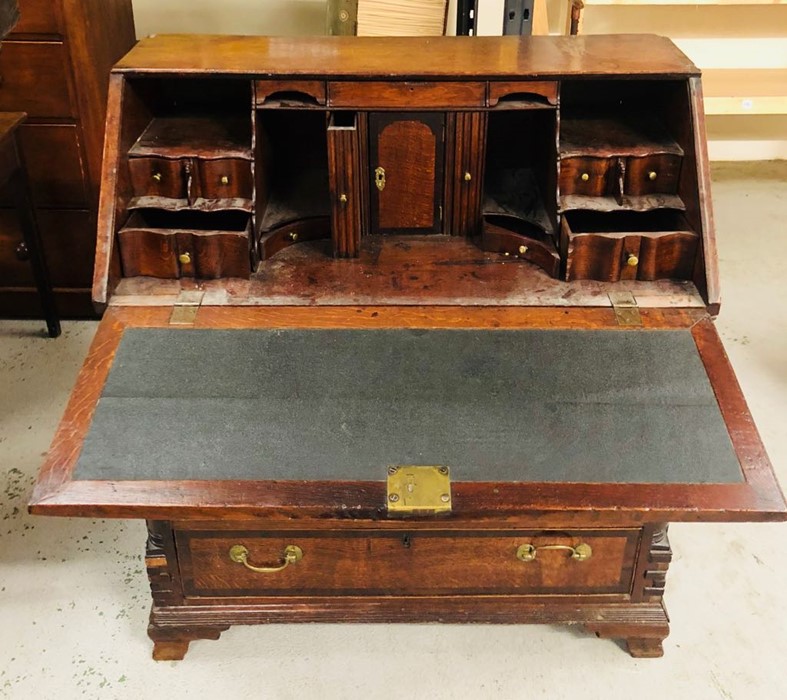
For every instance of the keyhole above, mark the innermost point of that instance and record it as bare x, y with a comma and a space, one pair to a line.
406, 541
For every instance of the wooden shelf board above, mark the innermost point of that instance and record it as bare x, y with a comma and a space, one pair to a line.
591, 3
745, 91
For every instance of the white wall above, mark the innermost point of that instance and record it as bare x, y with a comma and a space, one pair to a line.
275, 17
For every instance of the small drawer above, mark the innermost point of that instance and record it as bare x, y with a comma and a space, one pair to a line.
512, 91
654, 174
171, 245
587, 176
35, 79
225, 178
290, 93
159, 177
38, 17
404, 562
628, 245
406, 95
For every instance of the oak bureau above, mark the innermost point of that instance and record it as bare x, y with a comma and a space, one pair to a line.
407, 330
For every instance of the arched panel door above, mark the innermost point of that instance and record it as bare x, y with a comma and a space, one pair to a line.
406, 163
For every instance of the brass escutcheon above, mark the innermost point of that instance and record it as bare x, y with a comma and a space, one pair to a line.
379, 178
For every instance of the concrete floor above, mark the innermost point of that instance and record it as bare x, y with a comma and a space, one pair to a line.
74, 597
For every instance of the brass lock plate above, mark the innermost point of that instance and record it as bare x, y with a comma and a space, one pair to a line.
418, 490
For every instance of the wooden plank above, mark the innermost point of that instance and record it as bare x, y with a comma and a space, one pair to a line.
370, 57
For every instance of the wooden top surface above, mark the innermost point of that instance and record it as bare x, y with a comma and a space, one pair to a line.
416, 57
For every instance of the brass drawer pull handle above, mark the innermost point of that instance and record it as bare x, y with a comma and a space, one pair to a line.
528, 552
379, 178
185, 258
585, 177
240, 555
652, 175
158, 177
632, 260
225, 180
468, 177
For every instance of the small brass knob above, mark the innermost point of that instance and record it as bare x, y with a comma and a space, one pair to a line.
522, 249
584, 177
468, 177
632, 260
293, 236
22, 253
185, 258
343, 198
158, 177
225, 179
652, 175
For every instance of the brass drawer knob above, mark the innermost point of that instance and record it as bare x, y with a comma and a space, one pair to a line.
158, 177
468, 177
240, 555
584, 177
522, 249
652, 175
343, 198
185, 258
225, 179
632, 260
528, 552
293, 236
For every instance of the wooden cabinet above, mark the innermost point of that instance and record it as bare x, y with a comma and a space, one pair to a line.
55, 66
407, 341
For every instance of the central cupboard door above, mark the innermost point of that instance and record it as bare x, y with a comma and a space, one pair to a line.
406, 162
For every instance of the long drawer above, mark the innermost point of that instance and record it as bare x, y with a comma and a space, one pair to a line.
35, 79
68, 238
38, 17
406, 562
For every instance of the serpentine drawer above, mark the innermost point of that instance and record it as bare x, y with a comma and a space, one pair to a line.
406, 562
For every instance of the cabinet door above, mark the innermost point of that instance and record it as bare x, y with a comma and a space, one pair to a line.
406, 162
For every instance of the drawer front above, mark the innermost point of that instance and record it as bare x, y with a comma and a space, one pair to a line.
159, 177
295, 92
171, 254
54, 165
38, 17
35, 79
226, 178
408, 563
522, 89
613, 257
68, 238
587, 176
410, 95
656, 174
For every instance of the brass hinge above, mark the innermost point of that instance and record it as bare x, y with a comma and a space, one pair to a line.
418, 490
626, 309
184, 313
